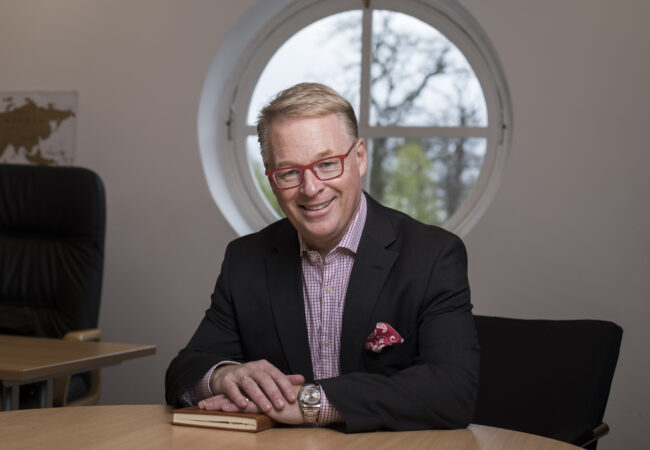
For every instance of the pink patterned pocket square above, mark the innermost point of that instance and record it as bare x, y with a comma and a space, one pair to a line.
383, 336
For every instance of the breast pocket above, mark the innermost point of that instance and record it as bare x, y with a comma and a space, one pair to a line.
393, 358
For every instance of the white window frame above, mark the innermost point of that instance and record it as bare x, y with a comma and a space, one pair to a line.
247, 49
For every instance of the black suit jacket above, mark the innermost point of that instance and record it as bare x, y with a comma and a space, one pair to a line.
411, 275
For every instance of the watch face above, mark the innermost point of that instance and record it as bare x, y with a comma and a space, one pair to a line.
310, 395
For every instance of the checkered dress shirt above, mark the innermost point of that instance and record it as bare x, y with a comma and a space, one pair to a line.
324, 285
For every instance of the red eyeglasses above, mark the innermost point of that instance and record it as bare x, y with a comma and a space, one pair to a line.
324, 169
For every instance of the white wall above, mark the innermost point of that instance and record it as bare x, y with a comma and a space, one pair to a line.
566, 237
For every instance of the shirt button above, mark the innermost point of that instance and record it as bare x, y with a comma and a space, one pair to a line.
326, 342
328, 289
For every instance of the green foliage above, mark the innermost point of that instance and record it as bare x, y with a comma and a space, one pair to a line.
410, 185
264, 185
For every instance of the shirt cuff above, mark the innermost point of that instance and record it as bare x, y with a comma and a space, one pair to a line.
328, 413
202, 389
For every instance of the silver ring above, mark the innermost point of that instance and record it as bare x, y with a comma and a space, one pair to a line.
243, 378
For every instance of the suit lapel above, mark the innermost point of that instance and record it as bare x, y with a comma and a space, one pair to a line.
285, 291
372, 264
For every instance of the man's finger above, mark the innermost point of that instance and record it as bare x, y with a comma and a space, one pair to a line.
253, 391
287, 383
275, 384
233, 390
283, 382
273, 387
296, 378
214, 403
250, 408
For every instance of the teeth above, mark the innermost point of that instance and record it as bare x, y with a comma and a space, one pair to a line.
317, 207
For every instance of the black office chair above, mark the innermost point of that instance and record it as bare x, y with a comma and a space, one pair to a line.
52, 227
547, 377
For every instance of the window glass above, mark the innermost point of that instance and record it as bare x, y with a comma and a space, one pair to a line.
327, 51
419, 78
427, 179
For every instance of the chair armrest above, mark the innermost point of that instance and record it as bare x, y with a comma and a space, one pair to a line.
598, 432
62, 384
92, 334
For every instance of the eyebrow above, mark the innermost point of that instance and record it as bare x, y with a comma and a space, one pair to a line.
319, 155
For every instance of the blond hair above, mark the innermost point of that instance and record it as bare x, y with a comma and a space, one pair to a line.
304, 99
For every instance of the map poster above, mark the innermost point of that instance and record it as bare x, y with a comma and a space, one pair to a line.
38, 127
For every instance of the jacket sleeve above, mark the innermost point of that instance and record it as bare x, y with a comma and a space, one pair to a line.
437, 388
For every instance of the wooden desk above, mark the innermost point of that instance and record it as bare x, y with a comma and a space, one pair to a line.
149, 426
29, 359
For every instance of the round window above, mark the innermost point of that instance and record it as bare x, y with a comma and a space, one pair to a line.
429, 96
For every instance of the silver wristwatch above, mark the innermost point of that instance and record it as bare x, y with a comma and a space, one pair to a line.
309, 402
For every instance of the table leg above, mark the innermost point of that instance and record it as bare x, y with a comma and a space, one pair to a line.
45, 393
10, 397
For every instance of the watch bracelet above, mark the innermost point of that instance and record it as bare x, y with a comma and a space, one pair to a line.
311, 414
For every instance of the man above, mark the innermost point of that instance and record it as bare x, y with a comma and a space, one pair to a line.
300, 308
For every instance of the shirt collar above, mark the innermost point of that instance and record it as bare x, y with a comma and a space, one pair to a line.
351, 238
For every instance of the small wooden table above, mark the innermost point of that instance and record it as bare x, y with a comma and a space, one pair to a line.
149, 426
26, 359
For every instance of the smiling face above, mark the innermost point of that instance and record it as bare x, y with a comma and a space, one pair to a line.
321, 211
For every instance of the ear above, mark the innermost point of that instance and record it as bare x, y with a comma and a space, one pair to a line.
361, 156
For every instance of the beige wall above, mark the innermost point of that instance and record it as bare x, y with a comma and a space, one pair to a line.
566, 236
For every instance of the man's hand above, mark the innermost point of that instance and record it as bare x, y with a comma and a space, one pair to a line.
260, 381
291, 414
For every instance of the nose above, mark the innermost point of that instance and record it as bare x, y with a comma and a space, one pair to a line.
311, 184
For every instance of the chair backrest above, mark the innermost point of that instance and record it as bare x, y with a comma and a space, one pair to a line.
52, 227
546, 377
